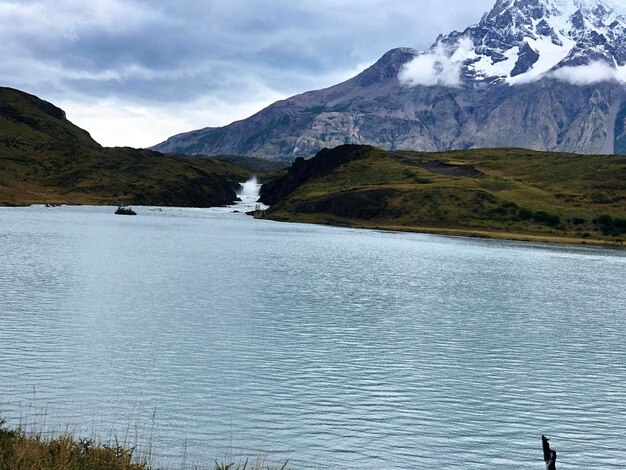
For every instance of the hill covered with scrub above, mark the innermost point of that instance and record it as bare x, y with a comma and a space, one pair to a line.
501, 193
44, 158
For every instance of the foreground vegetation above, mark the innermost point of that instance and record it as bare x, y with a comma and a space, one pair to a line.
499, 193
44, 158
19, 451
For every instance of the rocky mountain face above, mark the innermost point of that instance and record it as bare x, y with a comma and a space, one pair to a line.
302, 171
539, 74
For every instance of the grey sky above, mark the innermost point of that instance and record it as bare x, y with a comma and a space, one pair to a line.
134, 72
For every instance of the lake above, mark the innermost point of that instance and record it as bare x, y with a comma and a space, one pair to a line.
203, 333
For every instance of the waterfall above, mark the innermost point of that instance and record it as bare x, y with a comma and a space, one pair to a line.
250, 190
248, 195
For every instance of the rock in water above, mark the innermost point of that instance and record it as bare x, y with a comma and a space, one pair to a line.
125, 210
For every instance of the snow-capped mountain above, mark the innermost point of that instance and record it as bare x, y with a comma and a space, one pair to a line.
521, 41
540, 74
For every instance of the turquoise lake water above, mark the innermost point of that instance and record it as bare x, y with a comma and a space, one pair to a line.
200, 334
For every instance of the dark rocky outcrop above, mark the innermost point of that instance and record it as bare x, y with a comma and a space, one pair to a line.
439, 167
304, 170
526, 58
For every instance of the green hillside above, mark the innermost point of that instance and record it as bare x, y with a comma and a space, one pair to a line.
504, 193
44, 158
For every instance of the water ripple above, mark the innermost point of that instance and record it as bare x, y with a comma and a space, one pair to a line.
208, 333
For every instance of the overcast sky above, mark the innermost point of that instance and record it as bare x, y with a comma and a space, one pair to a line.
134, 72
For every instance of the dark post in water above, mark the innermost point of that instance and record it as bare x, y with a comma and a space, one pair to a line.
549, 455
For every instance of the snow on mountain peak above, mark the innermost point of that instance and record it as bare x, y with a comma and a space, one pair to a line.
521, 41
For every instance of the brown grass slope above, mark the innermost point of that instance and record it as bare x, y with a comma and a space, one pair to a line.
504, 193
44, 158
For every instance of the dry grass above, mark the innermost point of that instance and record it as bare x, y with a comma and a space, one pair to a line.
34, 452
22, 451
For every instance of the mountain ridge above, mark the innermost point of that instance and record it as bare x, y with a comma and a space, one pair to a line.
540, 74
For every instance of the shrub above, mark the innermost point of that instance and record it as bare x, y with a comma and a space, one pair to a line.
497, 213
525, 213
609, 225
547, 219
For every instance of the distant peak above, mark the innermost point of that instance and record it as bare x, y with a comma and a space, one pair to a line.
399, 54
521, 41
388, 66
542, 8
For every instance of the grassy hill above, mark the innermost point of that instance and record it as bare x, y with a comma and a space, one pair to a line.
44, 158
504, 193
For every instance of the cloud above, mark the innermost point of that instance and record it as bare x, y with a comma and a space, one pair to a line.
437, 66
172, 55
594, 72
192, 64
118, 123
